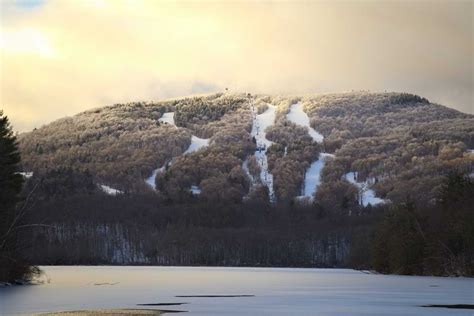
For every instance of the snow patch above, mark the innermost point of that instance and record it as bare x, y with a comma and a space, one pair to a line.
298, 116
167, 118
195, 190
366, 195
196, 144
26, 175
110, 191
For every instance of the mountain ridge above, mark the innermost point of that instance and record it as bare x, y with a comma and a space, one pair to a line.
380, 136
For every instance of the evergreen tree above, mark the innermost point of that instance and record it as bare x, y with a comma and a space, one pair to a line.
11, 266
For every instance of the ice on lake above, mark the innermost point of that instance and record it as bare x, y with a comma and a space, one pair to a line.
277, 291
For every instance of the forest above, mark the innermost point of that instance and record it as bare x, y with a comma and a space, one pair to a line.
211, 207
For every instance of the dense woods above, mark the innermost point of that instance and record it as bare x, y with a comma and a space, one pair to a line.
401, 145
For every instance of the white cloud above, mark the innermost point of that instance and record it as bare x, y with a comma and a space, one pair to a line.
62, 57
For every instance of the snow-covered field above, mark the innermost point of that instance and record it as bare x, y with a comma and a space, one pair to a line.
298, 116
322, 292
260, 123
367, 195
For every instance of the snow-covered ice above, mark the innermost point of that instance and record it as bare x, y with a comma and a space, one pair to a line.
312, 177
109, 190
298, 116
196, 144
167, 118
260, 123
281, 291
367, 195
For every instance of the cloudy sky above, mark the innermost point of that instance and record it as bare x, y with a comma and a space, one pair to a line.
60, 57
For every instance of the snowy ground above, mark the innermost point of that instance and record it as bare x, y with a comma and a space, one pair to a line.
298, 116
260, 123
312, 177
196, 144
322, 292
367, 196
109, 190
167, 118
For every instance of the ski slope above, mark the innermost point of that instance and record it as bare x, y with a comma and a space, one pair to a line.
260, 123
196, 144
367, 195
312, 177
298, 116
168, 118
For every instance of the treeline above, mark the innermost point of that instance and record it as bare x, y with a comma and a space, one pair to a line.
424, 240
132, 229
88, 227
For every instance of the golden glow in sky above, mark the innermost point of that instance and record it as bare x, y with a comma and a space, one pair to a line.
62, 57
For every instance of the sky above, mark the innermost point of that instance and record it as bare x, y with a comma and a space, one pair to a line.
61, 57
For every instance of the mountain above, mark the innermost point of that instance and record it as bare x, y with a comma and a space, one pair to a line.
337, 150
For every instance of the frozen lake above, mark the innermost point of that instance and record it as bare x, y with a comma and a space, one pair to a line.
276, 291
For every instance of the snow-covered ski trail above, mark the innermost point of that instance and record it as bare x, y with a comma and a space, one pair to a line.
312, 177
196, 144
366, 195
260, 122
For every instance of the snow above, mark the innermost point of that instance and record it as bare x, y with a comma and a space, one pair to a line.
196, 144
195, 190
312, 177
367, 196
168, 118
151, 180
109, 190
279, 291
259, 125
26, 175
299, 117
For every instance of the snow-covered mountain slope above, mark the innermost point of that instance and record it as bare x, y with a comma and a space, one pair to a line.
223, 141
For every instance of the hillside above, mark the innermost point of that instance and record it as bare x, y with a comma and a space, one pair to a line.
240, 147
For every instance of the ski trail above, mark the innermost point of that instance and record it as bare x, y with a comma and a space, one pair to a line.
366, 195
298, 116
312, 177
196, 144
168, 118
260, 122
